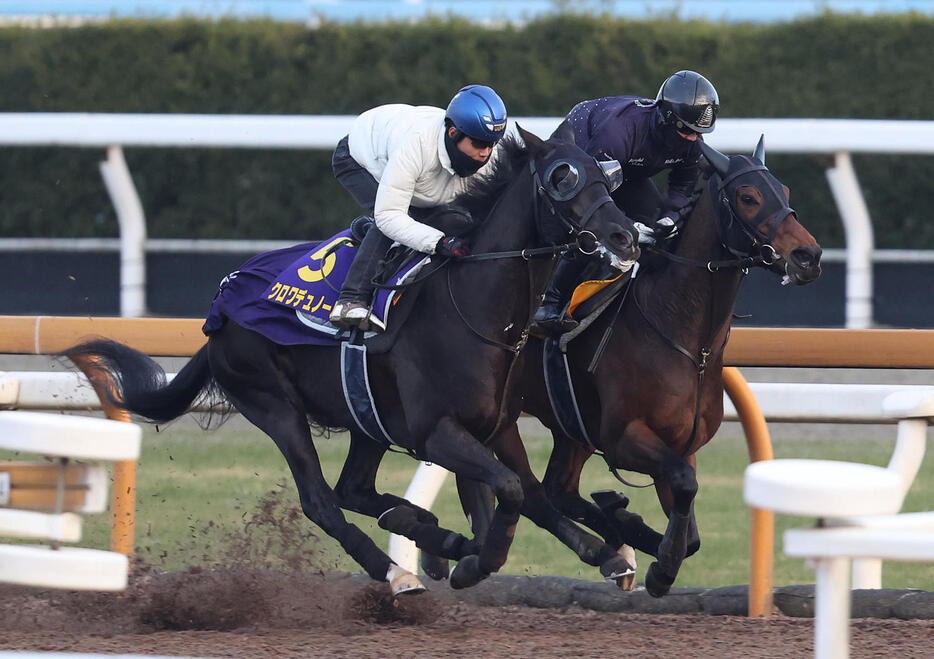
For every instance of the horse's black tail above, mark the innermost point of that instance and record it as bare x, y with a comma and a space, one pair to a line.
132, 381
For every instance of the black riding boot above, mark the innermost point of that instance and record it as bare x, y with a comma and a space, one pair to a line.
550, 319
357, 291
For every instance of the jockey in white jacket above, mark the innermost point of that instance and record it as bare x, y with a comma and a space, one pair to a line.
402, 160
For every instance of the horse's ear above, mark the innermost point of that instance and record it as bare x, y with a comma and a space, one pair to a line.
759, 153
717, 160
533, 142
563, 133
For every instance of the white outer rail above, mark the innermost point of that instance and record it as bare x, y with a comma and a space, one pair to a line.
839, 137
781, 402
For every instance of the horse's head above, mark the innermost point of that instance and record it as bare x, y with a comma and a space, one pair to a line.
754, 215
573, 189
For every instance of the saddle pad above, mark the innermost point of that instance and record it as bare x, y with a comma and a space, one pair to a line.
287, 294
561, 392
588, 289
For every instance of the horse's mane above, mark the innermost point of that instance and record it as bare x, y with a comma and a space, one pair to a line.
484, 191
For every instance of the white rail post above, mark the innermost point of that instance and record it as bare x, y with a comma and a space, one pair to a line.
422, 492
859, 240
132, 223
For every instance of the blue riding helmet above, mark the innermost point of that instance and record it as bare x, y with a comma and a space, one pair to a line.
478, 112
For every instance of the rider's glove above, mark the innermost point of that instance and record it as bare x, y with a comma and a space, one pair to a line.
455, 248
646, 233
666, 229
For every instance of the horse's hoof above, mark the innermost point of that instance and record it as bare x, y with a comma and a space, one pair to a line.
434, 566
619, 570
657, 583
467, 572
407, 584
627, 581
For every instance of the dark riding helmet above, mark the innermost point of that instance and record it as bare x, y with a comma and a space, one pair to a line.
478, 112
687, 100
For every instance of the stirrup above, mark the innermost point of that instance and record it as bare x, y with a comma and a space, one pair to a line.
349, 314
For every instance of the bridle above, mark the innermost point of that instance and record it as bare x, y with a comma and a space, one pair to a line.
728, 217
568, 188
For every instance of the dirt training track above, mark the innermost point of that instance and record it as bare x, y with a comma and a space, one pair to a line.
244, 612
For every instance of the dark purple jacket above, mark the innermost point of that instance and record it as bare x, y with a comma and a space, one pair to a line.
625, 128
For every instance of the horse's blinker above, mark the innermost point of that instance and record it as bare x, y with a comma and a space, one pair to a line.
567, 186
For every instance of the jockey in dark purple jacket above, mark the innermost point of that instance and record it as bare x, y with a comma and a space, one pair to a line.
647, 137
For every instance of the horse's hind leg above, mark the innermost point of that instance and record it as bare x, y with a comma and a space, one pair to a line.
266, 400
356, 489
562, 483
618, 527
536, 506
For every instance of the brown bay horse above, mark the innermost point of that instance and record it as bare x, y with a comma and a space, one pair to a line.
655, 395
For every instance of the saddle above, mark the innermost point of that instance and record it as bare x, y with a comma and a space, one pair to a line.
309, 286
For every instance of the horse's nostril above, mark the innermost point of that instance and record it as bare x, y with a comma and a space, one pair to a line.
806, 257
623, 238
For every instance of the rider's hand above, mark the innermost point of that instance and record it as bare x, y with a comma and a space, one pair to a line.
646, 233
455, 248
666, 228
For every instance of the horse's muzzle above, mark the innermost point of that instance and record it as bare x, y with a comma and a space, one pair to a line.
803, 265
622, 242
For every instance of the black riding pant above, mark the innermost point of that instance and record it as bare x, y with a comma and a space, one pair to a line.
356, 180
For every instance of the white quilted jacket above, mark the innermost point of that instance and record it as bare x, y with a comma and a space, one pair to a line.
402, 146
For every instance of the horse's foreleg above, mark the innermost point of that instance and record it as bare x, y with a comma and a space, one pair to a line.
680, 478
455, 449
666, 498
478, 504
266, 400
536, 506
356, 489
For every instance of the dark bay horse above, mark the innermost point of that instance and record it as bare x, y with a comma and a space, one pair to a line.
655, 396
443, 388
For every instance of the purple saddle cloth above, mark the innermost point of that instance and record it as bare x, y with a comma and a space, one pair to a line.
287, 294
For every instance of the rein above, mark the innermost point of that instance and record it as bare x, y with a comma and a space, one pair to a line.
764, 259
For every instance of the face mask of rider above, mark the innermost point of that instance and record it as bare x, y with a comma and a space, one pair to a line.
668, 134
461, 163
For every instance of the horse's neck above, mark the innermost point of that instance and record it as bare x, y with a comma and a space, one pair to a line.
689, 303
510, 223
510, 226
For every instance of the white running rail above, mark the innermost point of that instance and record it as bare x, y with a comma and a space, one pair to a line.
836, 137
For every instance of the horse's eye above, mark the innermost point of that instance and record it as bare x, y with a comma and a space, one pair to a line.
747, 199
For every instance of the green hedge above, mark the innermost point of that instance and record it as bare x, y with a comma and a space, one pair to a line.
829, 66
